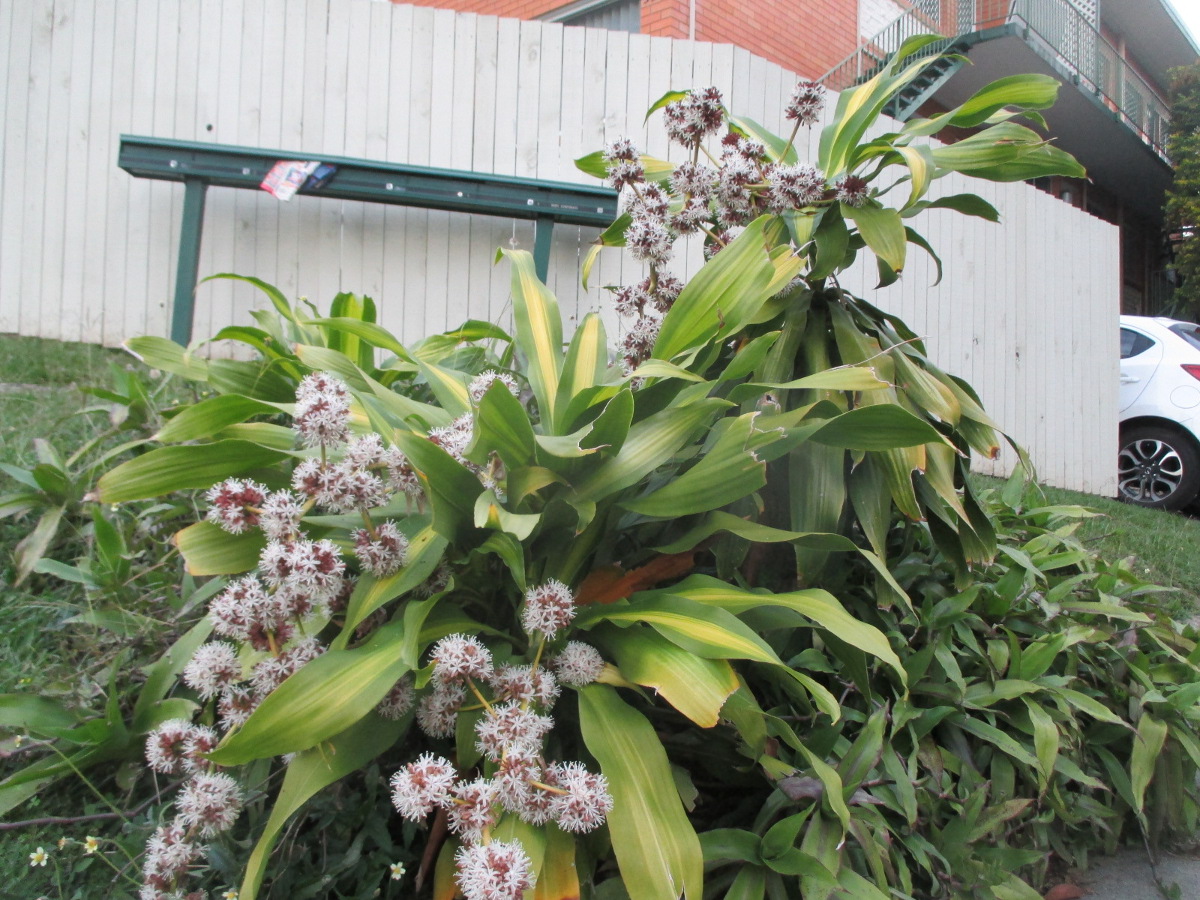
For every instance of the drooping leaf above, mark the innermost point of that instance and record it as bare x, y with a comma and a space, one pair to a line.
656, 847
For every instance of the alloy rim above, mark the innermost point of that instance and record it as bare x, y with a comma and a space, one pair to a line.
1149, 471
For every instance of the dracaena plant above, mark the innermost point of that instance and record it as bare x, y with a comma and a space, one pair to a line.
533, 579
812, 220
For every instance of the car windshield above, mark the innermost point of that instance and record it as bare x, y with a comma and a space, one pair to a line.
1189, 332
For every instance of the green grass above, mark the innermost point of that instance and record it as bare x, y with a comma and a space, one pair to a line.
26, 360
1162, 547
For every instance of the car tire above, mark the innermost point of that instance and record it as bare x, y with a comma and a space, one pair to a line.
1157, 467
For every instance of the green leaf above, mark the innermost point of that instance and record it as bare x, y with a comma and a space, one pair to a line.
162, 675
727, 472
1022, 91
425, 550
34, 714
883, 230
655, 845
584, 366
722, 297
650, 444
539, 332
815, 605
1045, 742
832, 239
169, 469
490, 513
33, 546
967, 204
160, 353
207, 549
450, 487
312, 771
881, 426
502, 425
201, 421
696, 687
1151, 735
328, 695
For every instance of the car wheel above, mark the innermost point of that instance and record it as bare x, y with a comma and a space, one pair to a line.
1157, 467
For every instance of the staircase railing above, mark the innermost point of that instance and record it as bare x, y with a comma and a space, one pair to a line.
1056, 28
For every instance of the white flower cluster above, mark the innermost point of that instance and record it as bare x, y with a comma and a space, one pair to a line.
510, 734
699, 198
207, 805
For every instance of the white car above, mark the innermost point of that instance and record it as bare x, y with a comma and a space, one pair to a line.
1159, 462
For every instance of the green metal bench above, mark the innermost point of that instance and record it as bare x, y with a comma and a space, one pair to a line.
200, 166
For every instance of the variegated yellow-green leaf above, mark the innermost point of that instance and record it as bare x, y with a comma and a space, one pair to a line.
160, 353
539, 332
311, 771
650, 444
201, 421
207, 549
727, 472
329, 694
425, 549
722, 296
168, 469
655, 845
819, 606
695, 686
585, 364
883, 230
558, 878
490, 513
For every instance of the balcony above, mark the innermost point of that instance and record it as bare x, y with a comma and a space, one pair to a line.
1056, 30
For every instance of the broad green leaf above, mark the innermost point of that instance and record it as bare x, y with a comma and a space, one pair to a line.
207, 549
539, 332
920, 167
328, 695
34, 714
557, 878
273, 437
727, 472
34, 545
278, 300
373, 334
656, 847
818, 606
755, 532
696, 687
450, 487
585, 364
1022, 91
425, 549
650, 444
1000, 739
832, 239
502, 425
880, 426
160, 353
262, 381
490, 513
1151, 735
162, 675
1045, 742
722, 296
778, 150
448, 386
312, 771
967, 204
841, 378
883, 230
168, 469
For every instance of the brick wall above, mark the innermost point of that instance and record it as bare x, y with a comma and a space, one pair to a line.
806, 36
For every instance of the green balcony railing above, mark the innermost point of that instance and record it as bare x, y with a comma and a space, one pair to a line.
1054, 28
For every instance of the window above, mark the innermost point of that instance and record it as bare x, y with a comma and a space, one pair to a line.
615, 15
1133, 343
1190, 333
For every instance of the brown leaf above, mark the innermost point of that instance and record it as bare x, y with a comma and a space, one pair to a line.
610, 584
1065, 892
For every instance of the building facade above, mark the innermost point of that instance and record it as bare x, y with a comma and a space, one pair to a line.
1113, 57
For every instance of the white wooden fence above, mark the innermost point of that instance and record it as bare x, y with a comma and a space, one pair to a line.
1026, 311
